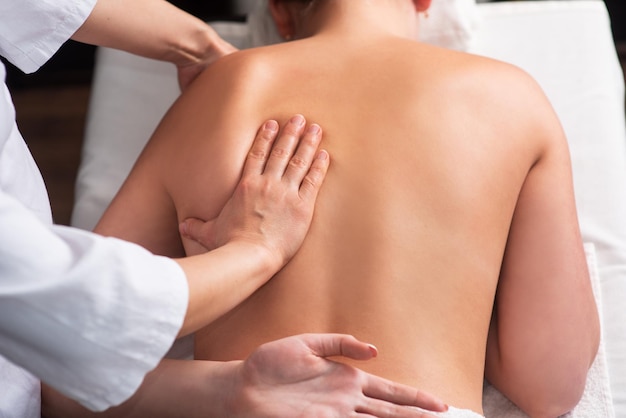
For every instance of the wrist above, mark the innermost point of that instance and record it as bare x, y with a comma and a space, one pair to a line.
224, 379
221, 279
197, 46
240, 397
266, 260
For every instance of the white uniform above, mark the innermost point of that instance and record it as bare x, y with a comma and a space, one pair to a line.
86, 314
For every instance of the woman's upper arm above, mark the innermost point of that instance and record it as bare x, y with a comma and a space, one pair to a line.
143, 212
545, 328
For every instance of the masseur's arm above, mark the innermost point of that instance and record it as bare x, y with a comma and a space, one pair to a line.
285, 378
154, 29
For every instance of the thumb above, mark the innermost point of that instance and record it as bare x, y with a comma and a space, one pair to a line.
197, 230
328, 345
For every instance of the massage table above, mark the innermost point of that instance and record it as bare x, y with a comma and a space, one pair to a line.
565, 45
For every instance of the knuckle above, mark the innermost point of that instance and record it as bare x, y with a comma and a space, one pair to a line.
245, 183
308, 183
390, 390
280, 152
249, 186
267, 135
257, 154
387, 411
298, 162
314, 177
311, 139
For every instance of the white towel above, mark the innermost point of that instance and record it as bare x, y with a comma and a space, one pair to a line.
596, 402
450, 24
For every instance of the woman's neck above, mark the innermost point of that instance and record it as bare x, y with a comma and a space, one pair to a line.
360, 18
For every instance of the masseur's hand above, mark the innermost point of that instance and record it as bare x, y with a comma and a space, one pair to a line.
272, 206
182, 39
188, 71
292, 378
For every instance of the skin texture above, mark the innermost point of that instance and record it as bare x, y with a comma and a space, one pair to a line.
446, 232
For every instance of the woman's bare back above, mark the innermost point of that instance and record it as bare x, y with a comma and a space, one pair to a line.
445, 232
411, 224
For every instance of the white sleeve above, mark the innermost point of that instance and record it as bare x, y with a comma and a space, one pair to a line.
88, 315
33, 30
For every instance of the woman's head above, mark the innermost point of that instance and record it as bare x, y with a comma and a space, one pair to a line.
291, 16
288, 15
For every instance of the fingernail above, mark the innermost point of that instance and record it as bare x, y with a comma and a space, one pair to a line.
323, 155
298, 120
314, 129
373, 350
271, 125
183, 228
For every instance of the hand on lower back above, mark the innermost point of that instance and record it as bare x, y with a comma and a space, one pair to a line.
293, 378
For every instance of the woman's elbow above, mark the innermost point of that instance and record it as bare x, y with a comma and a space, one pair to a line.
552, 408
563, 397
557, 401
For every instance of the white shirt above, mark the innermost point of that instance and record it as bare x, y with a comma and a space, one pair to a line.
87, 314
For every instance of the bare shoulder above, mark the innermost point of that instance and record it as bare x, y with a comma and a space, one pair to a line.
245, 71
225, 90
500, 82
503, 93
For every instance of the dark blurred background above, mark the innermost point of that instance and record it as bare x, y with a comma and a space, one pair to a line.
617, 11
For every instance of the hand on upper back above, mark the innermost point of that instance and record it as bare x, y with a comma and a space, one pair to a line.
293, 378
273, 204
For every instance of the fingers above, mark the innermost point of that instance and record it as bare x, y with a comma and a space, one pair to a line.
269, 155
304, 155
197, 230
377, 388
380, 392
261, 148
328, 345
308, 167
274, 155
284, 147
189, 227
380, 409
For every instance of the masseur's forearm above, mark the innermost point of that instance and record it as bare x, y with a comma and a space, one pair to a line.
278, 380
150, 28
175, 388
222, 278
